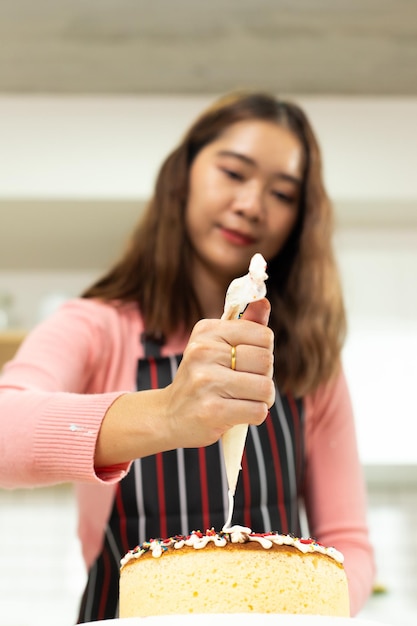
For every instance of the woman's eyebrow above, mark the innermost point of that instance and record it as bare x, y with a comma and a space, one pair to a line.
249, 161
237, 155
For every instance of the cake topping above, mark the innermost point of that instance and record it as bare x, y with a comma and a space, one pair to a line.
234, 534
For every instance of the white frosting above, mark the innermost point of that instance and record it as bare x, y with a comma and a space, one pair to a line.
246, 289
200, 542
234, 534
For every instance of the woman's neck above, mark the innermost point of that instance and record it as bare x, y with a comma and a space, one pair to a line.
210, 290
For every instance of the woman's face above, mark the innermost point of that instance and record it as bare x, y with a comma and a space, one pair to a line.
243, 197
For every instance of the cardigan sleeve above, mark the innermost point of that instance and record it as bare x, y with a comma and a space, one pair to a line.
51, 407
335, 492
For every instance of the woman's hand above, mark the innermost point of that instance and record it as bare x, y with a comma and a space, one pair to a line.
206, 397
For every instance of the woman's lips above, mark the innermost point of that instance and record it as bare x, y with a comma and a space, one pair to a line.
237, 238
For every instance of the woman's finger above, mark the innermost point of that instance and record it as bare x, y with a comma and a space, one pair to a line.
247, 358
245, 386
258, 311
233, 332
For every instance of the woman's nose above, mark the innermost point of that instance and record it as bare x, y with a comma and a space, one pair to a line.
248, 200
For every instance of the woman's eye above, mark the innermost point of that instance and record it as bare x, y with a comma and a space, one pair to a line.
232, 174
283, 197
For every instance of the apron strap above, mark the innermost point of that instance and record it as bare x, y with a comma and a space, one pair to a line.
151, 345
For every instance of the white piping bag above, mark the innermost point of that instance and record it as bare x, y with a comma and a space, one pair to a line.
241, 292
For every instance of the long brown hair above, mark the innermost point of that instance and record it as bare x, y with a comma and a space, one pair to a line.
307, 316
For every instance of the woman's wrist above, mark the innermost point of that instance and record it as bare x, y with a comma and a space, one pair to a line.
133, 427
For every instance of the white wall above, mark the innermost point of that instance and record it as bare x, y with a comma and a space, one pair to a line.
110, 148
379, 271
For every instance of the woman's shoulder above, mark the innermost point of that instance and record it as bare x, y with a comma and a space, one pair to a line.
100, 311
330, 402
94, 320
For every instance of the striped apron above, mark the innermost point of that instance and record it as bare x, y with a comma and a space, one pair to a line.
182, 490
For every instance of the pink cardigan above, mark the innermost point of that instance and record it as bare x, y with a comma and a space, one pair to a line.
70, 369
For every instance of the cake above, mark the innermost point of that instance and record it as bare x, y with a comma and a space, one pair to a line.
233, 571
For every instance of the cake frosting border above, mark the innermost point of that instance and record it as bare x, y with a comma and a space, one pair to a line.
235, 534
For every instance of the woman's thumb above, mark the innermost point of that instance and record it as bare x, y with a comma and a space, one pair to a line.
258, 312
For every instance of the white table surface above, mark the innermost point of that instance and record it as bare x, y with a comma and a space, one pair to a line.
241, 619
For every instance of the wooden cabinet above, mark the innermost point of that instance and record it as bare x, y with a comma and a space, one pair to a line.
10, 340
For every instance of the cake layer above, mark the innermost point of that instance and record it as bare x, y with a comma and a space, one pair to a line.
236, 572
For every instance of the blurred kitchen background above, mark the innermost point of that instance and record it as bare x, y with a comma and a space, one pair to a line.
92, 97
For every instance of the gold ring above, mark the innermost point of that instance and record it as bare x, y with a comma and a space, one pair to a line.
233, 358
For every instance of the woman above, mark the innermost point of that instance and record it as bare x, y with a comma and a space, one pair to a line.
129, 372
